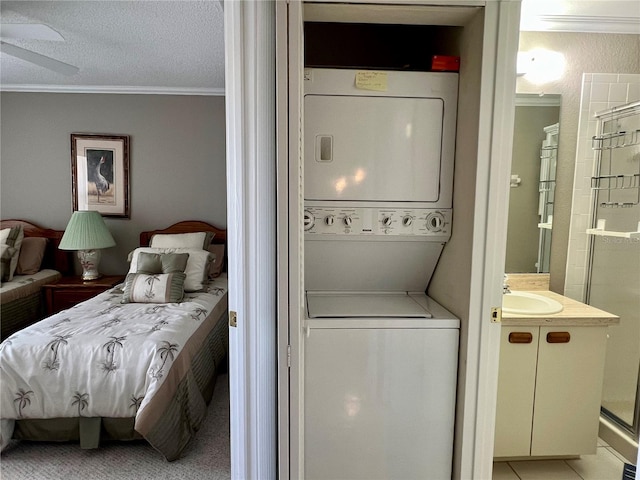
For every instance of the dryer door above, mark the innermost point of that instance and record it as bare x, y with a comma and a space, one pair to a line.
385, 149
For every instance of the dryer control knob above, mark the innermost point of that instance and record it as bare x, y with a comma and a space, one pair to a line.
329, 219
309, 220
435, 222
407, 220
347, 220
386, 221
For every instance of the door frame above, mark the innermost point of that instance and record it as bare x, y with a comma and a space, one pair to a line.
251, 236
501, 31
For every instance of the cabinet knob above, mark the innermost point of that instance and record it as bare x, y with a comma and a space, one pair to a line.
520, 337
558, 337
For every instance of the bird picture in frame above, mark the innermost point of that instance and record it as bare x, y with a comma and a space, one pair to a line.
100, 174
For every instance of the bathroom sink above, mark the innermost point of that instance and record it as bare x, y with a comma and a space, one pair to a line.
523, 303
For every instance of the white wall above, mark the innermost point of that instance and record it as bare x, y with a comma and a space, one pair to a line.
177, 159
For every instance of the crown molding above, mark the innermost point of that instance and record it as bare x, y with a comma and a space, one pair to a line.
123, 90
538, 100
583, 24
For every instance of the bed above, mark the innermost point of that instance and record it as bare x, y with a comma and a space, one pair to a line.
130, 363
39, 261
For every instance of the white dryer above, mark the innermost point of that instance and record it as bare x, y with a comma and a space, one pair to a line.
380, 356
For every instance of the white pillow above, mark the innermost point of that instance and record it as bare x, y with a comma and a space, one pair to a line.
12, 237
197, 269
181, 240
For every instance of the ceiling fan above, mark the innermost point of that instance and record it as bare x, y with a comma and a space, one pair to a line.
33, 31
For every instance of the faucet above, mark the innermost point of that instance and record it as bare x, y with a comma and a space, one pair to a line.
505, 286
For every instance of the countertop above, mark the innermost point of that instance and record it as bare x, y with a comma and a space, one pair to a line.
573, 313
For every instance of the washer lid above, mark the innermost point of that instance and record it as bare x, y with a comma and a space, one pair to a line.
360, 305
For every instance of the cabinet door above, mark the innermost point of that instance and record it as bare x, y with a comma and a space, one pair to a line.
568, 390
516, 384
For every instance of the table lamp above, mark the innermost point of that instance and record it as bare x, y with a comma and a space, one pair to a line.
87, 233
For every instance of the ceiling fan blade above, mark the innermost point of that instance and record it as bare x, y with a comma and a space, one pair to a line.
29, 31
37, 59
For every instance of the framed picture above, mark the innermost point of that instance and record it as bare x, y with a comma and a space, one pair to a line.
100, 173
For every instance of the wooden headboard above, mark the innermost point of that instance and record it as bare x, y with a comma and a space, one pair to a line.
188, 226
55, 258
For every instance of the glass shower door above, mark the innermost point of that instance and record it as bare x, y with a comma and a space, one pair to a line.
614, 273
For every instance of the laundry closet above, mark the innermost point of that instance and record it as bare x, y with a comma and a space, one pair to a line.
391, 152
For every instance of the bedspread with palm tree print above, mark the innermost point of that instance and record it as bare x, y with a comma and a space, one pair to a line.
101, 358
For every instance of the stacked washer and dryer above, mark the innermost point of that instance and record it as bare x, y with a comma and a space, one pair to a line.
380, 356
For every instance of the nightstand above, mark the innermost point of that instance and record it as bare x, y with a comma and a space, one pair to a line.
69, 291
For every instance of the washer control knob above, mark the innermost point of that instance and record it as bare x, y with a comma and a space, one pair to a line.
309, 220
329, 219
386, 221
435, 222
407, 220
347, 220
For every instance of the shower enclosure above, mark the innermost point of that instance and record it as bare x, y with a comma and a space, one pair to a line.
614, 264
546, 189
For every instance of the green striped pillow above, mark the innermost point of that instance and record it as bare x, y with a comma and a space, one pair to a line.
154, 288
13, 238
6, 255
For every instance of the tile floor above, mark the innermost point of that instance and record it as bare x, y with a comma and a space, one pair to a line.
606, 464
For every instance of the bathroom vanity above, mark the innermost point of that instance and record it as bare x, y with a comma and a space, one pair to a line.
550, 380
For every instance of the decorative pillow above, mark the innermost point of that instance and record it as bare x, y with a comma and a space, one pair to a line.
31, 255
156, 288
218, 262
6, 254
181, 240
13, 237
197, 268
162, 262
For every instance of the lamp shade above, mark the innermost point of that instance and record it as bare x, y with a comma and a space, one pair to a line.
86, 231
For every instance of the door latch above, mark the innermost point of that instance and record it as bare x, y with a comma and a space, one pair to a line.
233, 318
496, 314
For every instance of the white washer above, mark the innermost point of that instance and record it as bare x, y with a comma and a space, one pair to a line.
380, 356
379, 396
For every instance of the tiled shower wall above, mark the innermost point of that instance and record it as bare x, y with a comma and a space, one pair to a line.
600, 91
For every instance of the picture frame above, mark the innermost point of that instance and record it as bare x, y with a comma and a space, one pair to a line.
100, 173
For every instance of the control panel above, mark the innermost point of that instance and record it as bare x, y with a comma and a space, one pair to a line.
352, 222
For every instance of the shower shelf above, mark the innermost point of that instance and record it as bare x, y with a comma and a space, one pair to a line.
616, 140
607, 233
601, 231
548, 152
546, 185
614, 182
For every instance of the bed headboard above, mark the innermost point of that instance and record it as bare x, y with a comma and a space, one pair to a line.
55, 258
189, 226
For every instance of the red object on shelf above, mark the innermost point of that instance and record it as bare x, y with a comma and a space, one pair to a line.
445, 63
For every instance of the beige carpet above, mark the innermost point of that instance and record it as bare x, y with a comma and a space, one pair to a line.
206, 457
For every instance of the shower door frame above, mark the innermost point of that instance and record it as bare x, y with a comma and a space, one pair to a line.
603, 117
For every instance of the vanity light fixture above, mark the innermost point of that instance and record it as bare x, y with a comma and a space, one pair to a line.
540, 66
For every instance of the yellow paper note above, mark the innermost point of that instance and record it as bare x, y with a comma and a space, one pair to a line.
372, 81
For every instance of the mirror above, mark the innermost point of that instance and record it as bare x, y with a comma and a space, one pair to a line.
533, 173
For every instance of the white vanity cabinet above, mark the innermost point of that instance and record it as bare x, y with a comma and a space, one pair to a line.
549, 389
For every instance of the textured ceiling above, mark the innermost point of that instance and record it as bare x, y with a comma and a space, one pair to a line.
177, 46
129, 45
